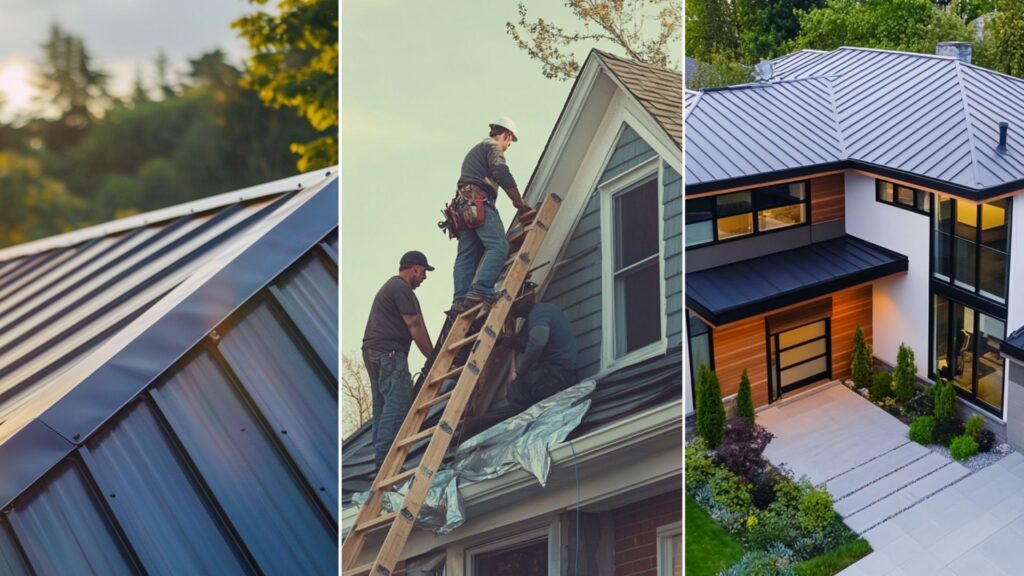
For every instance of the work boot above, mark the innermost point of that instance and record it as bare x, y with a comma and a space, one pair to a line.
473, 298
458, 307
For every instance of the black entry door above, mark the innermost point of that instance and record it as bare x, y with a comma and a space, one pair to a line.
800, 356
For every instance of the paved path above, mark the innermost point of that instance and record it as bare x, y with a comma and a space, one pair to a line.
922, 513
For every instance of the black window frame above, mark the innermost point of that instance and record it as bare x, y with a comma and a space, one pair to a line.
920, 197
975, 292
775, 388
756, 205
690, 336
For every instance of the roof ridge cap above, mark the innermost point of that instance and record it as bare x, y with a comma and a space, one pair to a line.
835, 118
964, 105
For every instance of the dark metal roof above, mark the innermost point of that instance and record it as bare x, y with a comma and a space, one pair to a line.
932, 119
622, 393
743, 289
1013, 346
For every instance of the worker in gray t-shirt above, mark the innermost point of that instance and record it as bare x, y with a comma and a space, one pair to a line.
395, 321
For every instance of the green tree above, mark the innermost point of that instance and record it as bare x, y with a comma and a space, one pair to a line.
140, 93
711, 29
767, 26
710, 410
719, 70
1002, 47
903, 377
163, 75
295, 64
32, 204
945, 400
621, 22
69, 81
744, 403
860, 360
908, 25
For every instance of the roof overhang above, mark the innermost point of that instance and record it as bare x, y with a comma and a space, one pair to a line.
1013, 346
751, 287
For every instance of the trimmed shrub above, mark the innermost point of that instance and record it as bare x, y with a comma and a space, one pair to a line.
945, 399
700, 467
778, 524
744, 403
946, 430
974, 425
881, 386
710, 410
921, 431
731, 491
816, 511
860, 361
923, 404
741, 448
963, 447
986, 440
903, 377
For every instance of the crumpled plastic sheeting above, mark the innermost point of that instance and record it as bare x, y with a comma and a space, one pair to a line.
523, 440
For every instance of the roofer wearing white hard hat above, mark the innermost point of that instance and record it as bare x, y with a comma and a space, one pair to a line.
479, 227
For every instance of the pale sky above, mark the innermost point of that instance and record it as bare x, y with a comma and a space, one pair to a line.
420, 83
120, 34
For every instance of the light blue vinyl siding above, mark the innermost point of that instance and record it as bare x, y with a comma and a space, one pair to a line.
576, 286
672, 185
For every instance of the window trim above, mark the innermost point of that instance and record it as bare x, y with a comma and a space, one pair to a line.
664, 535
651, 169
715, 240
549, 532
895, 197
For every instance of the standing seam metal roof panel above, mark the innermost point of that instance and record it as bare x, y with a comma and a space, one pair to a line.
310, 296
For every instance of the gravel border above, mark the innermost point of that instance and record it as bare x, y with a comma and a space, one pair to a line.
978, 461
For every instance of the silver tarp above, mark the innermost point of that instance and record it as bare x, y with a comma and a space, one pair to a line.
520, 441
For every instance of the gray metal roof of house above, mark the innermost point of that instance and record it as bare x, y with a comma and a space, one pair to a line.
932, 120
750, 287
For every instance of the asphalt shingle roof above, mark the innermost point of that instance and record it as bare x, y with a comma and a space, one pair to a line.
933, 118
659, 90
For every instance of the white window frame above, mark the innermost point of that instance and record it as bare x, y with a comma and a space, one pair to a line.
609, 190
548, 531
665, 534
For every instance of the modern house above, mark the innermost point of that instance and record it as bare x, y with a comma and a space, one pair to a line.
168, 390
612, 260
859, 187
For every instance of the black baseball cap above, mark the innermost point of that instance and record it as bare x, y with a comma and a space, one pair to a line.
415, 257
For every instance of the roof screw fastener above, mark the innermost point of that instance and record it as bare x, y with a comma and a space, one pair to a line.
214, 336
76, 436
284, 431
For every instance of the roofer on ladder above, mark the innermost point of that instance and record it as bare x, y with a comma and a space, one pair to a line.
480, 231
395, 321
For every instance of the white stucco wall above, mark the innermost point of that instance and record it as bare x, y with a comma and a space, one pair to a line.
900, 303
1015, 305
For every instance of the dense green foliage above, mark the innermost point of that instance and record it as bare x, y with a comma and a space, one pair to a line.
1002, 47
744, 402
710, 30
975, 423
963, 447
816, 511
860, 360
709, 548
710, 410
908, 25
903, 377
766, 26
945, 400
922, 430
881, 386
835, 560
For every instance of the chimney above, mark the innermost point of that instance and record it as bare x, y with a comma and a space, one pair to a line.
959, 50
1003, 129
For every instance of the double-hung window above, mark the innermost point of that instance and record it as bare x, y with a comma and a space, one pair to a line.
636, 270
746, 213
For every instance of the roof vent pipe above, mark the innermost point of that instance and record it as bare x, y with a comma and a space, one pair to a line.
1004, 127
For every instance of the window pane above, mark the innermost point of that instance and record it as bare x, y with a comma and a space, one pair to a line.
700, 353
528, 560
990, 363
905, 196
801, 353
735, 203
964, 258
698, 209
944, 218
963, 334
941, 259
966, 220
781, 217
677, 555
696, 326
638, 304
782, 195
993, 274
993, 225
802, 334
700, 232
885, 191
636, 224
732, 226
940, 338
924, 200
804, 371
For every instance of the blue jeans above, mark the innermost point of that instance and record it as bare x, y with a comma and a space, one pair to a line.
487, 240
391, 387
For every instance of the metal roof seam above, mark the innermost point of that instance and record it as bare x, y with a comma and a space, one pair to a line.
965, 105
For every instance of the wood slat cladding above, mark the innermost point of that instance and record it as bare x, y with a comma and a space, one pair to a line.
850, 308
742, 345
828, 201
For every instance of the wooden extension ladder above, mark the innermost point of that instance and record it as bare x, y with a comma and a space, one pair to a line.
535, 224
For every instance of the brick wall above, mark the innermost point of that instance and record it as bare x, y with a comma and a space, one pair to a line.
636, 527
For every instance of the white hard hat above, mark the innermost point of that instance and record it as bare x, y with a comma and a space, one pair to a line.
506, 123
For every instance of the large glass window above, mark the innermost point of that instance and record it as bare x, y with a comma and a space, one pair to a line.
746, 213
800, 356
965, 346
637, 280
701, 352
902, 196
530, 559
970, 246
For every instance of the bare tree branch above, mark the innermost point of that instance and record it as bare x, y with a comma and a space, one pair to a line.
357, 399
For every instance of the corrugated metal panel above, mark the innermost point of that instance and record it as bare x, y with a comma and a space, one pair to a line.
63, 530
158, 504
11, 561
672, 200
309, 293
295, 398
264, 498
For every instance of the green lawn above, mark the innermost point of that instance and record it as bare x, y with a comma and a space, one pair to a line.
709, 548
834, 561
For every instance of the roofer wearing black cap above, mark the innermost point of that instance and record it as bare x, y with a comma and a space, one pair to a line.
395, 321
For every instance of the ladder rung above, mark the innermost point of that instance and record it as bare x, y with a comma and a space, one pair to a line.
377, 522
391, 481
460, 343
417, 437
433, 401
363, 570
449, 374
528, 215
472, 311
